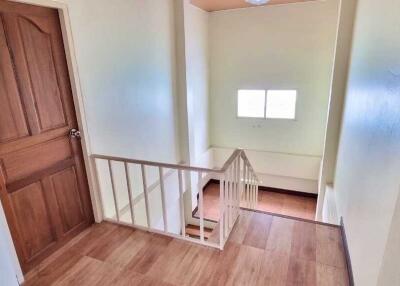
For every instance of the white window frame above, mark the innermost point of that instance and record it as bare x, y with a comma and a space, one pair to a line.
266, 105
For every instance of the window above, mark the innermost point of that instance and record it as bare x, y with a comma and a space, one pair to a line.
251, 103
274, 104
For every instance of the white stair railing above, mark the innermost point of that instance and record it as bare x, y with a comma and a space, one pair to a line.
238, 188
152, 196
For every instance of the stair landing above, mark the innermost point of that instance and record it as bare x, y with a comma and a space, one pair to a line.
272, 202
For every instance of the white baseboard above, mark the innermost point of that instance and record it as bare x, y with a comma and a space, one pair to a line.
289, 183
329, 210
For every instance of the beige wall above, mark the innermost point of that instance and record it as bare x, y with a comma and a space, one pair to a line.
367, 175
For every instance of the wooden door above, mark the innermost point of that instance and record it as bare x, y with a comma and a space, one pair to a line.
43, 185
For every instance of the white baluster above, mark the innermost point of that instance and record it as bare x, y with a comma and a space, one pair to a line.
243, 197
181, 204
113, 190
238, 187
164, 208
221, 213
257, 186
248, 188
98, 185
234, 193
129, 185
201, 206
226, 206
146, 196
253, 189
231, 186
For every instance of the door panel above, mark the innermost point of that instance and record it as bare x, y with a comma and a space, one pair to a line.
20, 164
39, 58
43, 184
33, 219
12, 118
15, 45
68, 198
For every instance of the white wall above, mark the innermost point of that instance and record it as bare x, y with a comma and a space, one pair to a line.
329, 211
196, 22
132, 72
126, 54
367, 178
390, 274
127, 65
275, 47
10, 272
338, 90
197, 79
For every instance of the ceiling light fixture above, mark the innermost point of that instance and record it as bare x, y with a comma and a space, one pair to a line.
257, 2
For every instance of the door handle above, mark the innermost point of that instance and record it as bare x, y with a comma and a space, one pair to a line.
75, 134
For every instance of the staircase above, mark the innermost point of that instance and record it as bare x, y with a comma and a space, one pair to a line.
155, 196
193, 231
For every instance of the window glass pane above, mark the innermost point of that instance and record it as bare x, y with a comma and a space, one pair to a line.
251, 103
281, 104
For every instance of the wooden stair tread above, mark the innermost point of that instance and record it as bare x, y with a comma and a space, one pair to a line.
194, 231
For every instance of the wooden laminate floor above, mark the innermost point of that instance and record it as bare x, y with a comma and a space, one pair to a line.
262, 250
283, 204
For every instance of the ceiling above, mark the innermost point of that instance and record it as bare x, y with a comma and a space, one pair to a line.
217, 5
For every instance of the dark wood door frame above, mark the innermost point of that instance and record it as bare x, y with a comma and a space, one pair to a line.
79, 109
